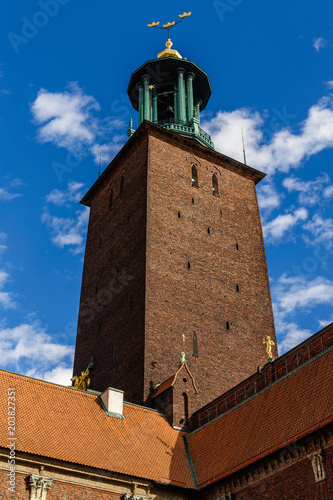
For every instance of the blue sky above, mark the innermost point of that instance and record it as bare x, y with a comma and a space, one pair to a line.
64, 70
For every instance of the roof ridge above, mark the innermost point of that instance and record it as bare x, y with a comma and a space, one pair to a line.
262, 390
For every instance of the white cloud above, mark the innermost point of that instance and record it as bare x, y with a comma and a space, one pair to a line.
61, 374
319, 43
108, 150
329, 84
310, 192
328, 191
66, 118
292, 335
325, 322
6, 298
71, 194
321, 230
68, 231
28, 345
292, 294
296, 292
5, 195
268, 197
276, 229
286, 149
3, 240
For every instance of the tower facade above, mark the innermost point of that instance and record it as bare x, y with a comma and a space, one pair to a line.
175, 260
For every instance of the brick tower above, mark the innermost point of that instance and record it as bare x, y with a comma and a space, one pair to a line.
175, 260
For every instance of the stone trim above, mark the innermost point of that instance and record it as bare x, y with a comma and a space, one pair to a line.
318, 465
39, 486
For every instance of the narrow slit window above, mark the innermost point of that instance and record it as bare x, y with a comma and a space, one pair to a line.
237, 246
208, 230
185, 402
227, 325
237, 288
178, 215
215, 185
111, 199
195, 176
188, 265
195, 345
192, 201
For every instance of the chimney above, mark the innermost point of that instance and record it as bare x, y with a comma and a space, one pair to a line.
112, 402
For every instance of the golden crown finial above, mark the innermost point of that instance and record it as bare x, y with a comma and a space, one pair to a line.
168, 52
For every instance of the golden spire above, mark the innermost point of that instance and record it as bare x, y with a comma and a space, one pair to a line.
169, 52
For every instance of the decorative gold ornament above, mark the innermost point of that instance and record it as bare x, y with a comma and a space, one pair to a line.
168, 52
82, 381
169, 25
269, 343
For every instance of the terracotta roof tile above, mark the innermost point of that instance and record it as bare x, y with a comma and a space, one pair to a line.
71, 425
287, 410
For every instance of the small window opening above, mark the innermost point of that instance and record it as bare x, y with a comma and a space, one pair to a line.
208, 230
220, 211
184, 379
237, 246
99, 329
194, 176
227, 325
195, 345
121, 190
185, 402
96, 289
192, 201
215, 185
237, 288
117, 272
131, 301
188, 265
111, 199
178, 215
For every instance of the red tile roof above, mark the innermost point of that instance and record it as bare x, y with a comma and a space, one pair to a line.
287, 410
70, 425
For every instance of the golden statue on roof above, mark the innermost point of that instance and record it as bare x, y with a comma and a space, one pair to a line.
168, 52
82, 381
269, 343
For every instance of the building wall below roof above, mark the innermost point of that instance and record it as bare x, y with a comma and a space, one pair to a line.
285, 474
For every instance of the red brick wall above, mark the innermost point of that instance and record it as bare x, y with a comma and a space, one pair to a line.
59, 490
294, 483
113, 313
179, 300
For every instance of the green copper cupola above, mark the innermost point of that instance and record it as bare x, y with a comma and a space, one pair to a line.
171, 92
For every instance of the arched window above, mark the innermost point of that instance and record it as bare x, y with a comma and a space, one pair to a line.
215, 185
195, 345
185, 402
194, 176
111, 199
